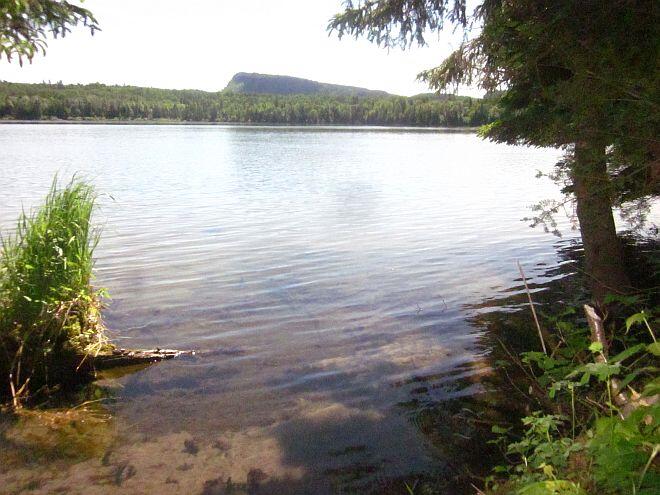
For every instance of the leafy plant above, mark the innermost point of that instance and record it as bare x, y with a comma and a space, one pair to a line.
553, 487
624, 451
542, 450
49, 311
616, 442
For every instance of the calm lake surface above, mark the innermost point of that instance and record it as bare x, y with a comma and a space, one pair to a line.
322, 274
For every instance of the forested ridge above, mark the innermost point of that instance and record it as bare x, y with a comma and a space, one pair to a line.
286, 85
45, 101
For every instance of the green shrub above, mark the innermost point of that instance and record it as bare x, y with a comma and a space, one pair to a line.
554, 487
49, 311
624, 451
611, 444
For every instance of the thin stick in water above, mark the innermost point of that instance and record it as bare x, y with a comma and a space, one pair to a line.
531, 305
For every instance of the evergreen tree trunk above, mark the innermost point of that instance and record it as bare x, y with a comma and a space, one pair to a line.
602, 249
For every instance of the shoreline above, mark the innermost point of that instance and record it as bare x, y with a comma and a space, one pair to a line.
241, 124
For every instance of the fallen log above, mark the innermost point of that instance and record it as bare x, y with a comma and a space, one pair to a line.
131, 357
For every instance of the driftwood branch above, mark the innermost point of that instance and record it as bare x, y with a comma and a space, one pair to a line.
627, 400
129, 357
598, 336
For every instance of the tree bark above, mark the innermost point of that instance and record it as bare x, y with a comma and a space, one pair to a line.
602, 249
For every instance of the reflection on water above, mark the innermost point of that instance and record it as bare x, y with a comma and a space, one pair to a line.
328, 279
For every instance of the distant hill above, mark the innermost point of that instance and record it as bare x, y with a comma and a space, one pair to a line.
286, 85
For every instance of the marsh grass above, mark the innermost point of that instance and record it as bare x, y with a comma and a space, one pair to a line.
49, 311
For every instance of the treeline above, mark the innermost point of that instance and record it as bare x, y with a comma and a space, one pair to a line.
98, 101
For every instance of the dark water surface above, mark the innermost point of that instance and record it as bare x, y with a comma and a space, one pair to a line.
325, 276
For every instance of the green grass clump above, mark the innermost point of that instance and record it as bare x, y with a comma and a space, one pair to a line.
49, 311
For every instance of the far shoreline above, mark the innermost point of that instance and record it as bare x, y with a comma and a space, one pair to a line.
357, 127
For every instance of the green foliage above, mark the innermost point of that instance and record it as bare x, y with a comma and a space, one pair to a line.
637, 318
49, 312
569, 366
601, 371
97, 101
579, 374
551, 487
641, 318
622, 449
573, 345
652, 388
394, 23
540, 452
25, 24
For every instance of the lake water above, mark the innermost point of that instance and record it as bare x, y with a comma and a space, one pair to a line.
322, 274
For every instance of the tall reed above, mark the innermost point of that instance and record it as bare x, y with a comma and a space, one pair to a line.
49, 311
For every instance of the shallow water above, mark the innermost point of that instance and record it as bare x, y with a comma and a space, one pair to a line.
322, 274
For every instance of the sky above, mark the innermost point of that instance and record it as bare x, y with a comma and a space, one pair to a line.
201, 44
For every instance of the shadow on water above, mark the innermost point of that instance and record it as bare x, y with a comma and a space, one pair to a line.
459, 428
